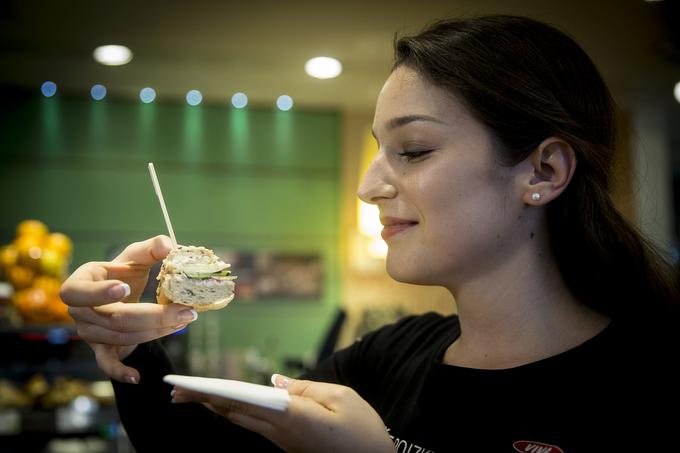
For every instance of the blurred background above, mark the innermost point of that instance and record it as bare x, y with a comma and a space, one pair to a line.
258, 160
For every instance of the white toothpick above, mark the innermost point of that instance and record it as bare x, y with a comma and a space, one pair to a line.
157, 188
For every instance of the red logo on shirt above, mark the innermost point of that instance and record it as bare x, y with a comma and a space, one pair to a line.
527, 446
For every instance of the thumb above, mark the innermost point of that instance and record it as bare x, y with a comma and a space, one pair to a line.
281, 381
299, 387
324, 393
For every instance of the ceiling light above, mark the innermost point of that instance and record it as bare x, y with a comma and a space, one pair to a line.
98, 92
194, 97
239, 100
676, 91
323, 67
48, 89
284, 102
147, 95
112, 55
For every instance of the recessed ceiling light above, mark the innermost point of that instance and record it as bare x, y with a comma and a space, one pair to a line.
323, 67
147, 95
284, 102
98, 92
112, 55
194, 97
48, 89
239, 100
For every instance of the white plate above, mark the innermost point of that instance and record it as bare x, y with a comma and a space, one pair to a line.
259, 395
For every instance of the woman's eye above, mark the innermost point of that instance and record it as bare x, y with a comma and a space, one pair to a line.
413, 155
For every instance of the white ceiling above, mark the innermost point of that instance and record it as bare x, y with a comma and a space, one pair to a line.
260, 46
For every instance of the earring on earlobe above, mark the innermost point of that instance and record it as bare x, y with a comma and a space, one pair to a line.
535, 196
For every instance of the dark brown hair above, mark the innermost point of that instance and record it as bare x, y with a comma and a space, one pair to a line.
527, 81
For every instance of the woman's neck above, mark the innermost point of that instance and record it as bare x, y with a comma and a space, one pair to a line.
519, 313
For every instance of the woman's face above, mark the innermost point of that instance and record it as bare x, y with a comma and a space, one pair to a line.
450, 210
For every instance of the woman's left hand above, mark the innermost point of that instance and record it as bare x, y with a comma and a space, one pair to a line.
320, 417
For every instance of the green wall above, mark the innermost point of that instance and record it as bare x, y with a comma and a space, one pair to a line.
252, 179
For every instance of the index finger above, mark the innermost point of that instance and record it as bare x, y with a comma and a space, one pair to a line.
91, 284
98, 283
147, 252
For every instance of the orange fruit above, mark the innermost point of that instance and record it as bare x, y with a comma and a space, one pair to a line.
60, 243
8, 257
50, 284
33, 305
32, 228
20, 277
29, 249
52, 263
59, 310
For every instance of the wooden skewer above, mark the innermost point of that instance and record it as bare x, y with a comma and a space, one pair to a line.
157, 188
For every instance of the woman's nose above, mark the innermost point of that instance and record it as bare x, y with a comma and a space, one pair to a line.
376, 185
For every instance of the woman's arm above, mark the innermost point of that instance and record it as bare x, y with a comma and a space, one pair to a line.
154, 424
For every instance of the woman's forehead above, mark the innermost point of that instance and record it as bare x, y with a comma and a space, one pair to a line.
406, 93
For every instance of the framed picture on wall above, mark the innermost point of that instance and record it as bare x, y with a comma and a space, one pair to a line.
275, 275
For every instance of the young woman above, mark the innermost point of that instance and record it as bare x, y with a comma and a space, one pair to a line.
496, 141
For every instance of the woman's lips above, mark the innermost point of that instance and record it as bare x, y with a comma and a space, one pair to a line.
392, 226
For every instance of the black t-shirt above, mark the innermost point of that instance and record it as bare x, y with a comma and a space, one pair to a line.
617, 390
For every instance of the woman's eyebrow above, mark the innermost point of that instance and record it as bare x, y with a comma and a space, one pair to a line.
400, 121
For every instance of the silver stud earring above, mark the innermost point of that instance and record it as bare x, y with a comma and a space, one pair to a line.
535, 196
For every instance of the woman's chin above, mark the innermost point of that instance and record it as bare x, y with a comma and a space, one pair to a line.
408, 274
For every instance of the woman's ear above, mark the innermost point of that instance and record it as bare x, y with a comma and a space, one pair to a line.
553, 164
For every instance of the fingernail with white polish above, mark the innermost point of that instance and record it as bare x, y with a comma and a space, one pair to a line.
185, 316
280, 381
120, 291
172, 393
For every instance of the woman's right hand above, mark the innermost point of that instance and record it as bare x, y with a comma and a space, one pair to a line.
103, 300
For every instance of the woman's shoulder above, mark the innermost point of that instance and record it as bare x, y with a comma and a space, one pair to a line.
648, 330
415, 329
404, 341
418, 322
647, 341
